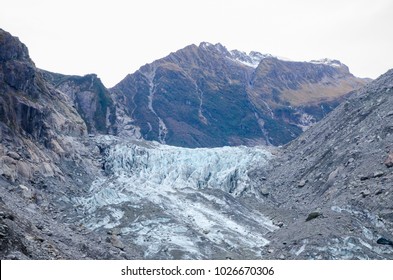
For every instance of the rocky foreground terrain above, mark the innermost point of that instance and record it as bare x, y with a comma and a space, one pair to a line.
332, 187
70, 190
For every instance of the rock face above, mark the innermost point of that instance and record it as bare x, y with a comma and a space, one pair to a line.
345, 161
36, 123
91, 99
205, 96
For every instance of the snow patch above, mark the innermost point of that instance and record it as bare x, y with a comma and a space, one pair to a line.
252, 59
326, 61
162, 129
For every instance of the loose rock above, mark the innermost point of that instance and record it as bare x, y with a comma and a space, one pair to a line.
378, 173
264, 192
365, 193
389, 161
302, 183
364, 177
13, 155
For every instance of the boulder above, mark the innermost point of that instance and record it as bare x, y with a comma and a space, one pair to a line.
302, 183
389, 160
13, 155
264, 191
313, 215
384, 241
378, 173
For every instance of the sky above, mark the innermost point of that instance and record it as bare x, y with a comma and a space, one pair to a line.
116, 37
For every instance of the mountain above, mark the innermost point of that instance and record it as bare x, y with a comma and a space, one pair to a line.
206, 96
71, 190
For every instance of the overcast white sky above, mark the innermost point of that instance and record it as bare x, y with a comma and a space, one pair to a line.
115, 37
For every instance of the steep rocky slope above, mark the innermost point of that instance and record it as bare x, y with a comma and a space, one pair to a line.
37, 125
90, 98
44, 154
338, 172
204, 96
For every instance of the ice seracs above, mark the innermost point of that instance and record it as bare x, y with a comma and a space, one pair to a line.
179, 202
163, 166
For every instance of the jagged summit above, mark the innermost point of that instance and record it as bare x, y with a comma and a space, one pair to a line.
12, 48
217, 47
252, 59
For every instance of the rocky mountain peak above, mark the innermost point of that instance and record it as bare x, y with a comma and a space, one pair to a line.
252, 59
214, 47
12, 48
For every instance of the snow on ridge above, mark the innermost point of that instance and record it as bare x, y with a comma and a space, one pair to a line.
217, 47
327, 61
252, 59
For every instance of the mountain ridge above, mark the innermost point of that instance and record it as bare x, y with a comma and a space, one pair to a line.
267, 104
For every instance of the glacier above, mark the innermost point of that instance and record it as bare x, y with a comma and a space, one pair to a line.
179, 203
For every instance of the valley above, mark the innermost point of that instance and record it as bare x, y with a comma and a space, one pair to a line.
204, 154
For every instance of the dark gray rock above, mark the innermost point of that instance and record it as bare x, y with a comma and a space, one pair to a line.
365, 177
313, 215
384, 241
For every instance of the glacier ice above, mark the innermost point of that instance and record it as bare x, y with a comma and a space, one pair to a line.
179, 202
164, 167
